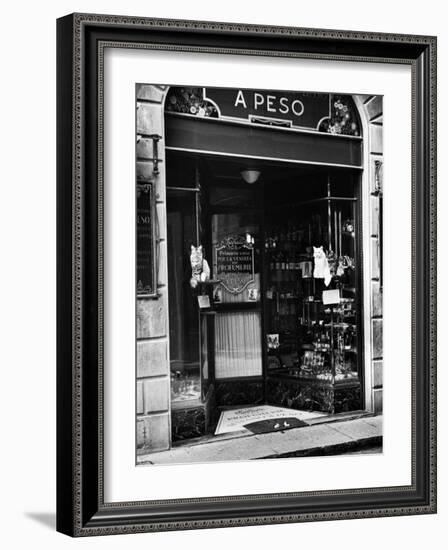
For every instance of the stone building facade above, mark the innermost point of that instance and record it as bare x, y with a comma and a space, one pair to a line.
153, 406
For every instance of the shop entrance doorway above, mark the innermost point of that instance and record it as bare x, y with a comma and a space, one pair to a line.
277, 320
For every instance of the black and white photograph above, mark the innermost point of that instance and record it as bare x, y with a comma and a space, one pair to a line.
259, 274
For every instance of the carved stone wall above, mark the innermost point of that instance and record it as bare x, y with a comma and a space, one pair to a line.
153, 372
372, 107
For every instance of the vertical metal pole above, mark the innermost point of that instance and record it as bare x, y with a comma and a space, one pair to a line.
198, 204
330, 237
335, 232
263, 228
201, 326
340, 233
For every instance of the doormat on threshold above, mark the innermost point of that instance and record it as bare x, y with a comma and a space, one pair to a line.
277, 425
263, 419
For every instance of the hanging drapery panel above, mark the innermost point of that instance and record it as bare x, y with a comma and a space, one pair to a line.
238, 349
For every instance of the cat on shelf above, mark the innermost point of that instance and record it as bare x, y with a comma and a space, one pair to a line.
321, 267
200, 270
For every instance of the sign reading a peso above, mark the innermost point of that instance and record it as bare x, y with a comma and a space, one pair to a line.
301, 109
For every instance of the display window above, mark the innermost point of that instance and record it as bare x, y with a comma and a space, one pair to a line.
282, 285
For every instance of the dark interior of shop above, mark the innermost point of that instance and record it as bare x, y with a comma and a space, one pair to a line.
292, 337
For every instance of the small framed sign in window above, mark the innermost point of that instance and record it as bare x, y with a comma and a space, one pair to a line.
146, 241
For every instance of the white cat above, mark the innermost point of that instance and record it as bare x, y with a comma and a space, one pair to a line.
200, 270
321, 267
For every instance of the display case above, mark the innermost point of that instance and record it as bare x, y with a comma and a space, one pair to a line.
312, 303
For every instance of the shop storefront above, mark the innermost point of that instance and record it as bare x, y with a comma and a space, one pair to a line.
259, 265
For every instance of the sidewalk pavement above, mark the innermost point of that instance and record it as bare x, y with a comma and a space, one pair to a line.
318, 439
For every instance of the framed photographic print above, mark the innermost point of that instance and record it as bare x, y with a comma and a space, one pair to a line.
246, 274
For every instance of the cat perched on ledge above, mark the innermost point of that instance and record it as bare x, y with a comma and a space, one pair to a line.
321, 267
200, 270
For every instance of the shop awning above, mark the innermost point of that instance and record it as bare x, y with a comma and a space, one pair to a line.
222, 137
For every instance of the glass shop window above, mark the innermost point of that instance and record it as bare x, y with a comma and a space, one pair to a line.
183, 312
311, 286
236, 264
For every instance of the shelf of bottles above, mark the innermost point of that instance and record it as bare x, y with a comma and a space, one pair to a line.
312, 334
